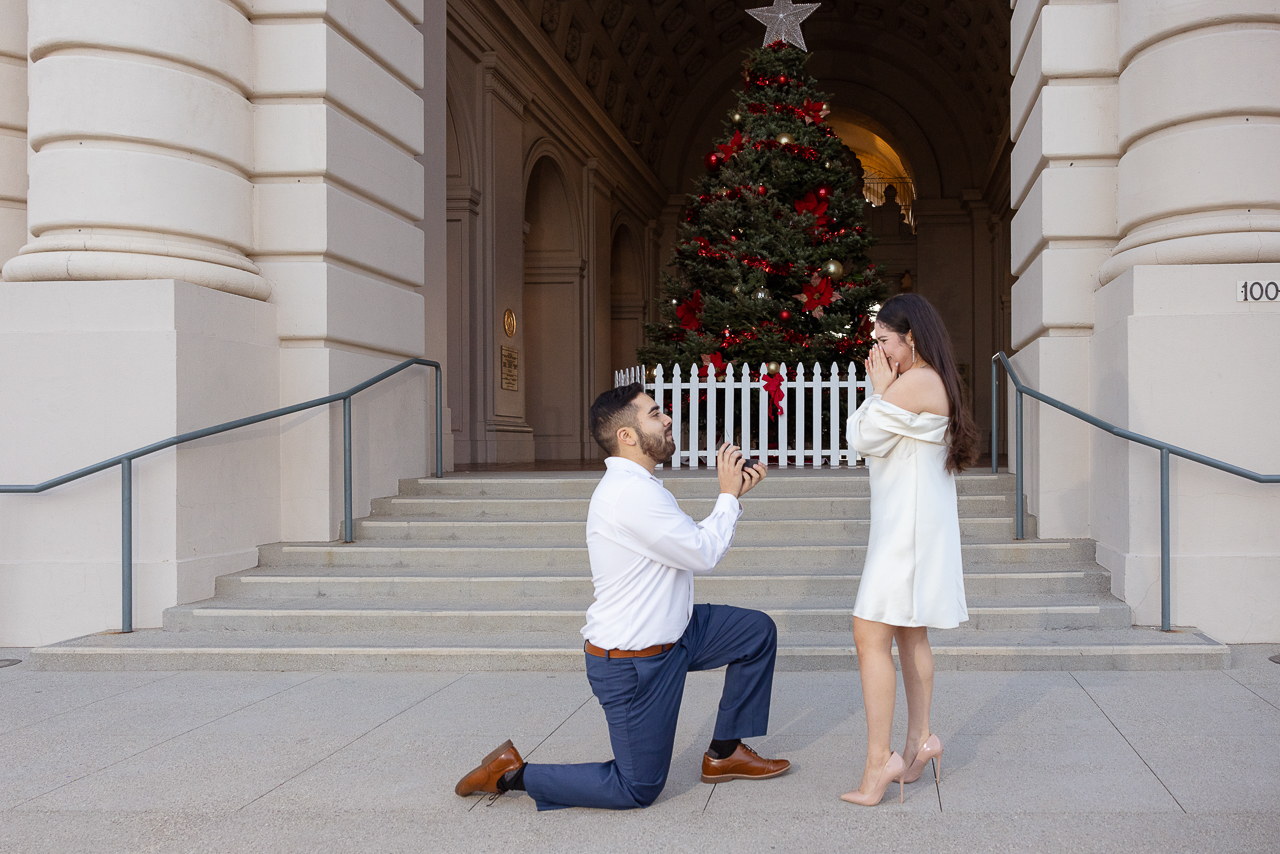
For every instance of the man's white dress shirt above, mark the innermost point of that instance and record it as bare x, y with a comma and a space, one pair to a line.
644, 551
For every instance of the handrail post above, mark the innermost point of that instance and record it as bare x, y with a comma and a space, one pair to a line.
126, 545
1165, 617
1017, 502
439, 424
347, 533
995, 417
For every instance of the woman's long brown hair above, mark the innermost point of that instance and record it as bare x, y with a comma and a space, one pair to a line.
912, 313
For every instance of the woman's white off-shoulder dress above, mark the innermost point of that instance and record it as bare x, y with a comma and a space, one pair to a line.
912, 575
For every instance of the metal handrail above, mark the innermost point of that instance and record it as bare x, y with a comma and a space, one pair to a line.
1166, 450
125, 461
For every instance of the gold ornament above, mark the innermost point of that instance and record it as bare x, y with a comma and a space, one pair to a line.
773, 368
785, 139
737, 117
833, 268
762, 294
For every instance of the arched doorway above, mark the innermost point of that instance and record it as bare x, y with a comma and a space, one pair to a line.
554, 366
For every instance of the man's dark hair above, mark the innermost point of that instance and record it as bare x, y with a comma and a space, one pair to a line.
614, 409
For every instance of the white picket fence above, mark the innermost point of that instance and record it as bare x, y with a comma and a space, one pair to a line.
811, 400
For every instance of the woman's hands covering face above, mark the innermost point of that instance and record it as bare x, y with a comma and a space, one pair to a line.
879, 370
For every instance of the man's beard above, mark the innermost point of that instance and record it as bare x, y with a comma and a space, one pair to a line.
658, 448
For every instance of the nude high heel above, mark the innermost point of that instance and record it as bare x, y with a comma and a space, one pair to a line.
931, 749
892, 772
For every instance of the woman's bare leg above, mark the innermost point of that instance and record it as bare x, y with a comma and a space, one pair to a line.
916, 657
879, 689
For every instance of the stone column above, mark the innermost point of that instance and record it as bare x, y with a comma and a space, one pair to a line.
133, 312
1199, 128
142, 133
1175, 354
597, 209
13, 127
1063, 183
502, 114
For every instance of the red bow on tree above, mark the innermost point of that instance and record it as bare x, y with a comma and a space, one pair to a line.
734, 146
773, 385
689, 310
817, 295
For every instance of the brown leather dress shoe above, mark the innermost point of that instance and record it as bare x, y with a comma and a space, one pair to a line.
744, 764
484, 777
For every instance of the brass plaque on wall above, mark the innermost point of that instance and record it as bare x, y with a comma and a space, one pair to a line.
509, 323
510, 369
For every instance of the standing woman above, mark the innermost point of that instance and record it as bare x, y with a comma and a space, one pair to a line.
916, 434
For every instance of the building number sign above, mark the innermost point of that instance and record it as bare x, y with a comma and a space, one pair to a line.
1257, 291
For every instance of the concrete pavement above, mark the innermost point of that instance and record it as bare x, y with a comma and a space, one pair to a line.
286, 761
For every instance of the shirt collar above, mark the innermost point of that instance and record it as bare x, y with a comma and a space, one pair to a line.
626, 466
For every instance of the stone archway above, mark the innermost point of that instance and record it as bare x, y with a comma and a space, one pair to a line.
554, 370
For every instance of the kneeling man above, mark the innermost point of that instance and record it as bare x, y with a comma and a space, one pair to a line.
644, 633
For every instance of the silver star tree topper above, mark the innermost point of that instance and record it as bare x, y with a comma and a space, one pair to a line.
783, 20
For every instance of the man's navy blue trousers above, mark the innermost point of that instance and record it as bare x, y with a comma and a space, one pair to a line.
641, 700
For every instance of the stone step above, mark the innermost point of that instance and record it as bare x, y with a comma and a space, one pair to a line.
340, 583
683, 483
452, 559
957, 649
810, 613
575, 509
749, 532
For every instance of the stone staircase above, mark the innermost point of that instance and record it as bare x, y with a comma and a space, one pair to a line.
490, 572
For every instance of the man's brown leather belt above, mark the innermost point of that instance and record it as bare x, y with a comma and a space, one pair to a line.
647, 652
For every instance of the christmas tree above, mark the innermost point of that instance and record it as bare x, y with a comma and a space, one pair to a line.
770, 263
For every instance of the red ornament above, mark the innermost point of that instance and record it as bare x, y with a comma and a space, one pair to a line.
823, 192
714, 161
784, 315
783, 80
761, 190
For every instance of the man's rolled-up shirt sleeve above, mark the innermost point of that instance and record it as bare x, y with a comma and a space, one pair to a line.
665, 533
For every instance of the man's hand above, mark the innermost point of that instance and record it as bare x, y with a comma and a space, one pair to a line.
751, 475
734, 478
